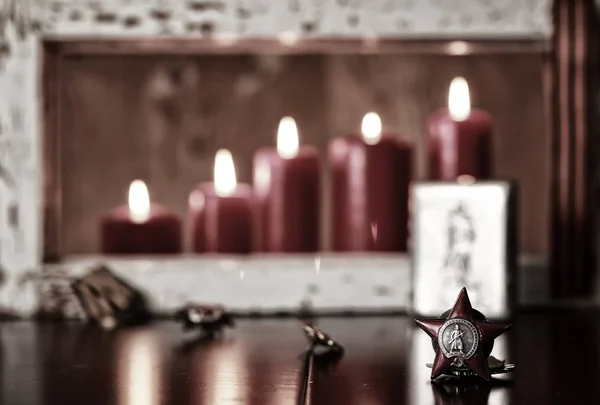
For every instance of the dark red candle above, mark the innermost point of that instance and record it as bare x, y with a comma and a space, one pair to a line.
371, 175
287, 187
459, 138
140, 227
220, 212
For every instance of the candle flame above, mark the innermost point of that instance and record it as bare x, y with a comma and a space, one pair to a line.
459, 102
225, 179
287, 138
371, 128
139, 201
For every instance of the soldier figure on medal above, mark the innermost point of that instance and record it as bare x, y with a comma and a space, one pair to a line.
456, 343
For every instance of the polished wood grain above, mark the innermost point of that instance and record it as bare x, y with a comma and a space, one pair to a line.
261, 362
257, 363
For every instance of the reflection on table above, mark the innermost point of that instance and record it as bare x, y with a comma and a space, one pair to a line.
260, 362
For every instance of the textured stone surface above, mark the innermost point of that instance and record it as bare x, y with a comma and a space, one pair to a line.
24, 22
398, 18
19, 164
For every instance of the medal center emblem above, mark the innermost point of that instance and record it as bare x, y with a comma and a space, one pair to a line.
458, 338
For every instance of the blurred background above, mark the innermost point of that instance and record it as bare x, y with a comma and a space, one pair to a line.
95, 95
162, 119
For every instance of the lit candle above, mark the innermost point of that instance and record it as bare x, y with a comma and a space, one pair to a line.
371, 174
220, 212
459, 138
287, 186
140, 227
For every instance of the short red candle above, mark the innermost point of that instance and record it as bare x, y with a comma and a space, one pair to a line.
459, 138
371, 176
287, 186
221, 213
149, 229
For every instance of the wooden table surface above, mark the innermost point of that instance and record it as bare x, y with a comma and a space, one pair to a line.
261, 362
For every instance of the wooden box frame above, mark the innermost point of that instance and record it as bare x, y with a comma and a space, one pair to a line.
34, 34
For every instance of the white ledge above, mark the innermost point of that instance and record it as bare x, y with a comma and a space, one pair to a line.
323, 284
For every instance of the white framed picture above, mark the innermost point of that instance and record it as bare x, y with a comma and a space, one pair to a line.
464, 235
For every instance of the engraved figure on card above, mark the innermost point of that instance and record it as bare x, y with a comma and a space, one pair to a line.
461, 238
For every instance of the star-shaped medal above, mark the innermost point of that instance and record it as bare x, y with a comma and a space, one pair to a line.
462, 341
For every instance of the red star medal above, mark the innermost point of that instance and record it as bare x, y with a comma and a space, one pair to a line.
462, 341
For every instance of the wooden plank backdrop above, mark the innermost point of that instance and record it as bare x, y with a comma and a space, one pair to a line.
162, 118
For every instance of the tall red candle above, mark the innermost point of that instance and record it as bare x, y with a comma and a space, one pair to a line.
371, 176
220, 212
459, 138
140, 227
287, 184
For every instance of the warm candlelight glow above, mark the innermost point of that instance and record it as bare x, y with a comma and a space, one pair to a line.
459, 102
374, 231
287, 138
196, 200
226, 38
458, 48
211, 377
371, 128
139, 201
288, 38
465, 179
225, 179
262, 178
139, 365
